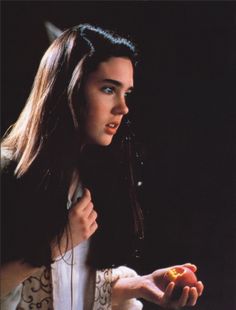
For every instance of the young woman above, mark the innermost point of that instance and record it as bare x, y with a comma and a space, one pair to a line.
50, 260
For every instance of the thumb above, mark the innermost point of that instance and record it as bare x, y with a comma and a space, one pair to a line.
86, 196
86, 193
191, 267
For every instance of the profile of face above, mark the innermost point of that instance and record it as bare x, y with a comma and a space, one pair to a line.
105, 92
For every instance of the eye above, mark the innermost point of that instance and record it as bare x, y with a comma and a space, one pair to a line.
127, 94
108, 90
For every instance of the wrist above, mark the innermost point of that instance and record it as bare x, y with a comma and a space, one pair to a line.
144, 284
126, 288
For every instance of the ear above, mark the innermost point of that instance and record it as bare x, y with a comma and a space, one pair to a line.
52, 31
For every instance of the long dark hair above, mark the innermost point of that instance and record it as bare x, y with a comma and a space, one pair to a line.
49, 132
52, 113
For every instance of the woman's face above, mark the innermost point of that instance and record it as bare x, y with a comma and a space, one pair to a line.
105, 92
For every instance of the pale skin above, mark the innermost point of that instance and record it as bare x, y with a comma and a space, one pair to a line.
151, 288
105, 93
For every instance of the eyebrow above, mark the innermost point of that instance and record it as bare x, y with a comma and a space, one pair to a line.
116, 83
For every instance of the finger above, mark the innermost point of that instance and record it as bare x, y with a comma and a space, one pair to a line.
200, 287
83, 202
168, 292
87, 210
93, 227
191, 266
92, 216
184, 297
87, 194
193, 295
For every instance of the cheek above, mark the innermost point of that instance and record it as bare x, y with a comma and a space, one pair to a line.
96, 110
92, 116
93, 121
92, 105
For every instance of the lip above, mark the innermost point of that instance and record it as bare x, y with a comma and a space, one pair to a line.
111, 130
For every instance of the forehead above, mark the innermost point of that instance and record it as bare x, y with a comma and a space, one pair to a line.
115, 68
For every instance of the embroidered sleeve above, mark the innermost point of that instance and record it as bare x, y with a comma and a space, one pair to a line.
102, 300
103, 289
37, 291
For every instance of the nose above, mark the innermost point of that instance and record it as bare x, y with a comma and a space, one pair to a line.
121, 107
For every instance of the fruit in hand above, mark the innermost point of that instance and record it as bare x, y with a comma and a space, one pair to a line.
181, 276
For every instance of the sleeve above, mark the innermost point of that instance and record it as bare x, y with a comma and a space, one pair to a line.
103, 290
37, 291
12, 299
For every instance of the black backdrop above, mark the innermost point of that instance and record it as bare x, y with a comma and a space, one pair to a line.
184, 116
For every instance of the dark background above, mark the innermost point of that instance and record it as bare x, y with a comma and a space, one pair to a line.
184, 116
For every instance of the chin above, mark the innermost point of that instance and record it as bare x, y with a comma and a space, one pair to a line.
105, 143
102, 142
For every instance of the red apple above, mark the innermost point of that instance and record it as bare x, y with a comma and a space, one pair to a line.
181, 276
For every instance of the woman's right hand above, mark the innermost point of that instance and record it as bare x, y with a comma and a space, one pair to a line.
81, 225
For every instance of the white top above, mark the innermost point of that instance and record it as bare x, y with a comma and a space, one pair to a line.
69, 277
73, 280
70, 274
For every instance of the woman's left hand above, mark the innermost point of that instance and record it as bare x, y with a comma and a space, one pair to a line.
154, 289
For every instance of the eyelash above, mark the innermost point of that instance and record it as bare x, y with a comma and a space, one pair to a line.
127, 94
109, 90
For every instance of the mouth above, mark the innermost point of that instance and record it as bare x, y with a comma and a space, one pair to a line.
111, 128
112, 125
